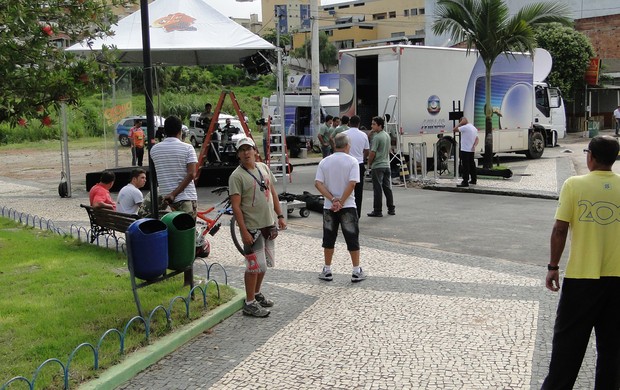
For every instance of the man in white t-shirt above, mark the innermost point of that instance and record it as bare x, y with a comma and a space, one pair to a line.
469, 141
335, 179
130, 197
617, 117
359, 150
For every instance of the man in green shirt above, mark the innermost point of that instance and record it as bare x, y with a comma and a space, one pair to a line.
379, 163
344, 125
325, 136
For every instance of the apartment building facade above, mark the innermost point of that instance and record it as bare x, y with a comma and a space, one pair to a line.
351, 23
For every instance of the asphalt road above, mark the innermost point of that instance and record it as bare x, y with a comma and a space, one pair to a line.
501, 227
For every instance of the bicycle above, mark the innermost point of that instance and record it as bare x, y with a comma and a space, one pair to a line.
206, 225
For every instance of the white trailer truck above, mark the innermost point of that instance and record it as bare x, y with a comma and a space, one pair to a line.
425, 90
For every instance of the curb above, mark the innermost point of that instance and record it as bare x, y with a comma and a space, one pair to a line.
152, 353
488, 191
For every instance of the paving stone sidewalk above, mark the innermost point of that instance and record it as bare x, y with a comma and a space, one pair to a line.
424, 319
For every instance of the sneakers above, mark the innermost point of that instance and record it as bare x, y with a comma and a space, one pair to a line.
473, 182
264, 302
392, 211
358, 276
326, 275
255, 310
463, 185
375, 214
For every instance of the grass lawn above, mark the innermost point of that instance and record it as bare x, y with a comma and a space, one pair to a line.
56, 293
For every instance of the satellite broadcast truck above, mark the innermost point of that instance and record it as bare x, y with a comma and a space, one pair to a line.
425, 90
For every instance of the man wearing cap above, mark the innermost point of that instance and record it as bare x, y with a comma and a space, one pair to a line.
256, 208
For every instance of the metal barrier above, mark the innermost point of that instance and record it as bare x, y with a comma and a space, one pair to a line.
417, 149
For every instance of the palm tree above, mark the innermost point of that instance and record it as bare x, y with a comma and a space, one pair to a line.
487, 26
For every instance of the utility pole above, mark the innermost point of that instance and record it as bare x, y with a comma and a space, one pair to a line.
316, 116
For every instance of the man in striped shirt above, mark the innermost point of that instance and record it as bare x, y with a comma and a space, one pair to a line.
175, 165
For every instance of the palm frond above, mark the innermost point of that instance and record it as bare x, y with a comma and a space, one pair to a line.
539, 13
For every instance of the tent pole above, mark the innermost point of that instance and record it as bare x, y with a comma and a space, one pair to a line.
148, 96
65, 142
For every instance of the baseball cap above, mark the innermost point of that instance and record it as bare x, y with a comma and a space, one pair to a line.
245, 141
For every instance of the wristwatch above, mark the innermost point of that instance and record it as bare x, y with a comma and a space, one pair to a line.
280, 216
552, 267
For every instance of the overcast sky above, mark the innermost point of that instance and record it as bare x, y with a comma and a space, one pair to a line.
232, 8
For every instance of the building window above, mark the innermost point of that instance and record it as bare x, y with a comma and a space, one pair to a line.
379, 16
359, 4
343, 6
346, 44
406, 12
414, 11
392, 14
422, 11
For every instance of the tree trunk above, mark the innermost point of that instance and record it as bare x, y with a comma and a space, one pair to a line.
488, 121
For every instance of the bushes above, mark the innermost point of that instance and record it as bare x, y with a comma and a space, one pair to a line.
86, 120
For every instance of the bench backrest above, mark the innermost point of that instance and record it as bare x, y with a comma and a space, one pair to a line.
110, 219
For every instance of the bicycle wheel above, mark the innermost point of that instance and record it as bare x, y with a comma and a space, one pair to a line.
236, 235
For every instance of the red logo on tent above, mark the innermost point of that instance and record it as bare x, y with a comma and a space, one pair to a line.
175, 22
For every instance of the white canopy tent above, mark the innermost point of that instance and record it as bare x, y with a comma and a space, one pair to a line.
182, 32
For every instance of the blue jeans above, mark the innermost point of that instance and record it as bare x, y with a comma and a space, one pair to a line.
381, 183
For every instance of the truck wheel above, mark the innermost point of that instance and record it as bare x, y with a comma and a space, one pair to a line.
304, 212
123, 140
194, 142
537, 146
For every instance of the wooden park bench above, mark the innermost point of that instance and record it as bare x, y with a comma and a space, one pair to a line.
106, 221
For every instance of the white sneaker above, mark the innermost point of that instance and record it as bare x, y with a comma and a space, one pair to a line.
326, 275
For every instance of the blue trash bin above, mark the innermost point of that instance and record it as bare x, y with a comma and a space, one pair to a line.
147, 244
181, 239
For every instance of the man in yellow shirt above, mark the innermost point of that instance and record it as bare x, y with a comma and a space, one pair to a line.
589, 206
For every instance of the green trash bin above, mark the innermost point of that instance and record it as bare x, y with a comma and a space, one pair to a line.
181, 239
593, 127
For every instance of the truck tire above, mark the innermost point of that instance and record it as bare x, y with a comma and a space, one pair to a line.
194, 142
537, 146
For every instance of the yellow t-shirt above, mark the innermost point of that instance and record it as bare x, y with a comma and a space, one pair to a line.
591, 205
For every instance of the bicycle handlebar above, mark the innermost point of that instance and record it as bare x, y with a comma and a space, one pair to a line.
220, 190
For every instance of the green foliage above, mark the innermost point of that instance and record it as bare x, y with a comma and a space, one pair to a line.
56, 293
328, 54
36, 73
86, 120
571, 52
487, 26
271, 37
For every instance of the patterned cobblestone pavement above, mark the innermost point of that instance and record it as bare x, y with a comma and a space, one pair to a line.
424, 318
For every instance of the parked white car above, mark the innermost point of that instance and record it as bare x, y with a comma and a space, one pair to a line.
197, 133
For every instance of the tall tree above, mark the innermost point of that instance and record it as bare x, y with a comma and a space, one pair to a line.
571, 51
328, 54
487, 26
36, 72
